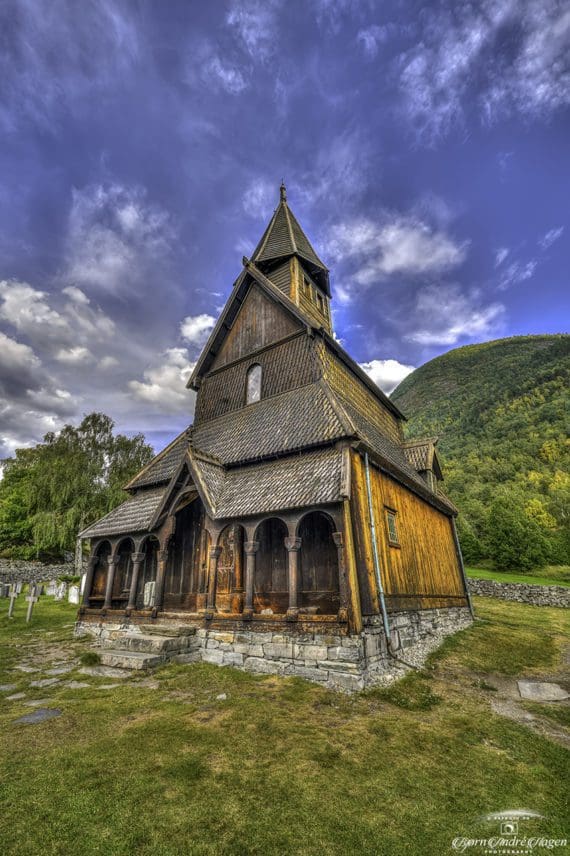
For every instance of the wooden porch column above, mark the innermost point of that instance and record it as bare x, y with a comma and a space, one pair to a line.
111, 564
137, 559
215, 553
251, 548
293, 546
162, 557
91, 565
342, 586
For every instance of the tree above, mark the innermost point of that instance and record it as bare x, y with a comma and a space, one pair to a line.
514, 540
53, 490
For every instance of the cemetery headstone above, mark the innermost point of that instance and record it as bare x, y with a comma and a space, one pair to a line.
73, 596
61, 591
31, 599
13, 596
51, 588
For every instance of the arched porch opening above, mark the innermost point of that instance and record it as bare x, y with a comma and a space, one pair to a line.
319, 575
123, 574
270, 589
230, 569
147, 576
187, 559
97, 594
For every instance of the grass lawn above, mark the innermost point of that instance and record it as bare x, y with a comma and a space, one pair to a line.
160, 765
550, 576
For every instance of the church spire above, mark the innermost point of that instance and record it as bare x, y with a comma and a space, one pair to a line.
285, 238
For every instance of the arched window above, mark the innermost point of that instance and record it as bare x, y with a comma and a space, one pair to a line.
253, 384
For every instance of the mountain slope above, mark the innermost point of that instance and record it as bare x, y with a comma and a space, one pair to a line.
501, 412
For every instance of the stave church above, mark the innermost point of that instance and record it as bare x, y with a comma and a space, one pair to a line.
291, 529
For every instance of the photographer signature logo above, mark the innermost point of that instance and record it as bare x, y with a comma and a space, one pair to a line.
510, 838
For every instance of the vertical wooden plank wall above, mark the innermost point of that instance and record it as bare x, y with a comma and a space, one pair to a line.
423, 572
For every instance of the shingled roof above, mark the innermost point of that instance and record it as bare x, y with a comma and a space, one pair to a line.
313, 478
422, 456
285, 237
296, 419
134, 515
161, 468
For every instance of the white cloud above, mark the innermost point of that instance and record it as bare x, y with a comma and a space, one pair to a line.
387, 374
259, 198
114, 235
406, 245
444, 314
73, 356
371, 37
75, 294
550, 237
224, 76
516, 273
195, 328
500, 255
464, 51
27, 309
255, 23
107, 363
164, 386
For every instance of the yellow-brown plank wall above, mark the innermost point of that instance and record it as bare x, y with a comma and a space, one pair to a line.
423, 572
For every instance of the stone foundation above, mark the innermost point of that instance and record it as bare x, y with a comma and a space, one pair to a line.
340, 662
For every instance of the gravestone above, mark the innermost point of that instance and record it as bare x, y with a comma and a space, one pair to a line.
73, 596
4, 590
13, 596
61, 591
31, 598
19, 587
51, 588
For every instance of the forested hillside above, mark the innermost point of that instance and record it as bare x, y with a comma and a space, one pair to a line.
501, 412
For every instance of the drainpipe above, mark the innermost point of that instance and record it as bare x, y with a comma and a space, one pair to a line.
385, 620
462, 566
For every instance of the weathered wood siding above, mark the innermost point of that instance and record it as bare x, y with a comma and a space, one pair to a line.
347, 386
259, 322
306, 302
285, 365
281, 277
423, 572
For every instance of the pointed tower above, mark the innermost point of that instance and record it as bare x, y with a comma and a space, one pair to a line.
285, 255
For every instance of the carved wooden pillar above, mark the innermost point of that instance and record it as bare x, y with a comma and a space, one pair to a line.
160, 578
251, 548
111, 564
293, 546
215, 553
91, 565
137, 559
342, 585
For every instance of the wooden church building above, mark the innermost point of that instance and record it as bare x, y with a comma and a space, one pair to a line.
291, 528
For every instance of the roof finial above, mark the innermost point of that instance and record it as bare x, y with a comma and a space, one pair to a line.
283, 191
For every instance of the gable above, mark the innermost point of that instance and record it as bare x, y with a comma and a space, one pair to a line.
259, 322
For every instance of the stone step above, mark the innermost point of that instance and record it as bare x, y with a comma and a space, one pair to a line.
120, 659
168, 630
147, 643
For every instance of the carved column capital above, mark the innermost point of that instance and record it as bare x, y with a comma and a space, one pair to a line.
162, 555
215, 552
137, 557
293, 544
337, 538
251, 547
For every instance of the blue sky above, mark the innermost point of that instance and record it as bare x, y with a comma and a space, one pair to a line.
425, 149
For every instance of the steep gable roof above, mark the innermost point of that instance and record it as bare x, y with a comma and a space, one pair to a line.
161, 468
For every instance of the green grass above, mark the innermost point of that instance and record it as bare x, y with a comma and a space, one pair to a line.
280, 766
550, 576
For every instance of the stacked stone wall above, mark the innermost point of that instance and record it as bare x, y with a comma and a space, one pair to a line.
522, 593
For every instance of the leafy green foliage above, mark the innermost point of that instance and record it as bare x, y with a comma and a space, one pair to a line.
53, 490
501, 411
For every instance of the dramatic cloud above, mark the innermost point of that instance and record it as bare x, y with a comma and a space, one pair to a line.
259, 196
73, 356
56, 53
516, 273
27, 309
371, 38
164, 386
508, 55
114, 235
195, 328
387, 374
444, 315
404, 245
224, 76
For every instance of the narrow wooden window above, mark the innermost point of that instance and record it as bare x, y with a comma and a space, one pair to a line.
306, 286
253, 384
393, 539
320, 302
